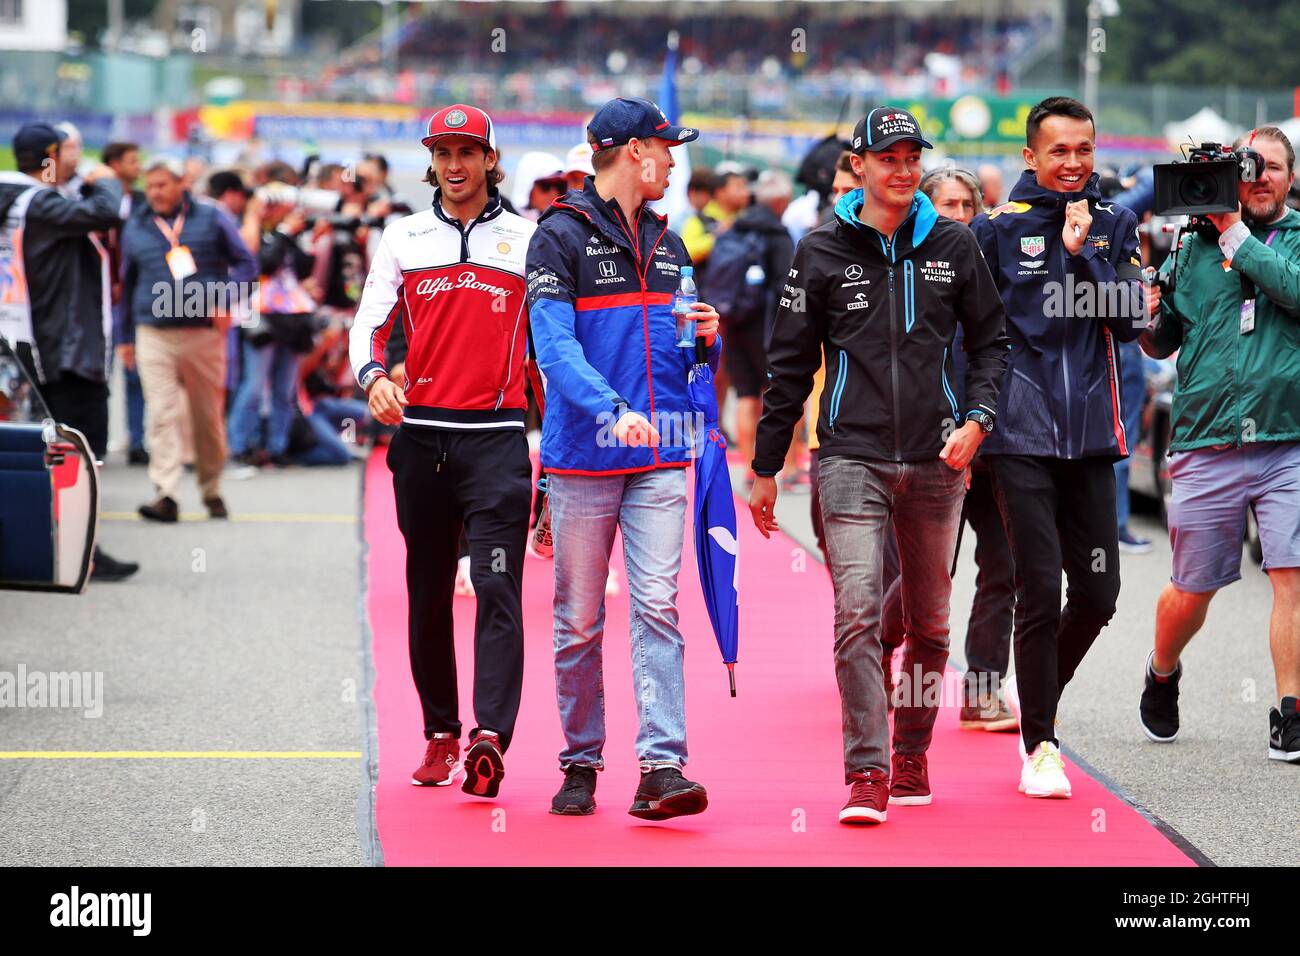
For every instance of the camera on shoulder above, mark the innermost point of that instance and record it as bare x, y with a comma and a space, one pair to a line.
1206, 182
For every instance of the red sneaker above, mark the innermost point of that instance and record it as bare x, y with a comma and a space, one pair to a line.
911, 781
867, 799
441, 760
484, 766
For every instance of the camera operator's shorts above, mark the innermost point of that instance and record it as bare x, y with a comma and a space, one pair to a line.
1207, 518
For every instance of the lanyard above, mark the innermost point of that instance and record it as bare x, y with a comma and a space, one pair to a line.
172, 235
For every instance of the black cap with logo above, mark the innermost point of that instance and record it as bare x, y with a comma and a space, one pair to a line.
883, 127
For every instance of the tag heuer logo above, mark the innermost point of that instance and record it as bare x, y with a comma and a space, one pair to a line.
457, 118
1032, 246
608, 268
853, 272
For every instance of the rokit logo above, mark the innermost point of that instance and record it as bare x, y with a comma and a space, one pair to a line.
938, 270
468, 280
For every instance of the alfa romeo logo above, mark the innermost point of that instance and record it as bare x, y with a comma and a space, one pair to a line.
457, 118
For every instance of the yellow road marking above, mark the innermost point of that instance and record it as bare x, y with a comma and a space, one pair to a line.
180, 754
264, 518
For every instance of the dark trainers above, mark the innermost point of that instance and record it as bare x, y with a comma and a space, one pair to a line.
665, 793
577, 796
1284, 732
990, 713
164, 510
909, 785
868, 798
484, 766
106, 568
441, 761
1159, 706
216, 507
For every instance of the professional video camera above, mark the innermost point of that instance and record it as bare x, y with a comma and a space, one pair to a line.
1206, 182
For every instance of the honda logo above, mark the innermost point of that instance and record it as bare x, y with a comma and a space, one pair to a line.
608, 268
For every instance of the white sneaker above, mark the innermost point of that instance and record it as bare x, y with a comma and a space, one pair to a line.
1043, 773
464, 586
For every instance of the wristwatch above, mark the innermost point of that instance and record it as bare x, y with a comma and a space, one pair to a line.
984, 419
374, 375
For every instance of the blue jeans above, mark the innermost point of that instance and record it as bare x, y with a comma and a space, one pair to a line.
327, 418
1133, 394
649, 508
134, 408
272, 363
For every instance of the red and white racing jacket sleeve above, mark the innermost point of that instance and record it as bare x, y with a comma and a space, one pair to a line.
380, 306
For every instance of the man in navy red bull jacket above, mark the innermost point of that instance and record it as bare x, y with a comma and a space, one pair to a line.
616, 440
1068, 269
453, 276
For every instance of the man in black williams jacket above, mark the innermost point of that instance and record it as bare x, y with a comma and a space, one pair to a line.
880, 290
68, 297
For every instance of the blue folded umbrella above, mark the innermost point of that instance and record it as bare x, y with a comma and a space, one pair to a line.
716, 549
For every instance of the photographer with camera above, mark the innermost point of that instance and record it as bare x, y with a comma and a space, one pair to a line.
1233, 315
283, 330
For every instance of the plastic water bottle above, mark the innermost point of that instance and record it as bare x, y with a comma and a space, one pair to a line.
683, 299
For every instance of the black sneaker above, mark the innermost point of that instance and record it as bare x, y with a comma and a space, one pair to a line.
216, 507
1284, 732
577, 795
1159, 707
164, 510
137, 456
105, 568
484, 766
665, 793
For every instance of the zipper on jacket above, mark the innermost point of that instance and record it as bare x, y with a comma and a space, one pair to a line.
841, 377
1065, 362
893, 354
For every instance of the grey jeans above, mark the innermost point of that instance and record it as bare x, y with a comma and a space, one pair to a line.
858, 499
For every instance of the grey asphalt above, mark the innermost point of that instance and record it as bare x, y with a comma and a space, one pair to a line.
234, 636
1214, 785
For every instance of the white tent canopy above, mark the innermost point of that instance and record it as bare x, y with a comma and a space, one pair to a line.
1205, 126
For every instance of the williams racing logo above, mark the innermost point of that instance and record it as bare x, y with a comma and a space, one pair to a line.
938, 270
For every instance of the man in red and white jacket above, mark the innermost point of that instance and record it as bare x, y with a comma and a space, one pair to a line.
453, 276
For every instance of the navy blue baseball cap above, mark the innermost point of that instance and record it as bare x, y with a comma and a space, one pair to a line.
36, 140
883, 127
630, 117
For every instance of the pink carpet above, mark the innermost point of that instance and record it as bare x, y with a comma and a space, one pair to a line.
770, 758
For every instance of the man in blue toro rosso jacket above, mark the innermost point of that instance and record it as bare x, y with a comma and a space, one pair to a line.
601, 272
1068, 269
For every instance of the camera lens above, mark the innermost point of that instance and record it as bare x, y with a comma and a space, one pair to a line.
1197, 190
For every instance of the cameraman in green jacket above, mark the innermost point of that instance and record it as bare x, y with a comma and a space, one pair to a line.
1234, 319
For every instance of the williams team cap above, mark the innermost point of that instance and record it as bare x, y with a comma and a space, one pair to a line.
630, 117
883, 127
37, 140
461, 120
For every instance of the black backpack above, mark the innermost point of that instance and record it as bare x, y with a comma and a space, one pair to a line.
726, 286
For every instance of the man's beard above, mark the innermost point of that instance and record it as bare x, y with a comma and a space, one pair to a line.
1264, 216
